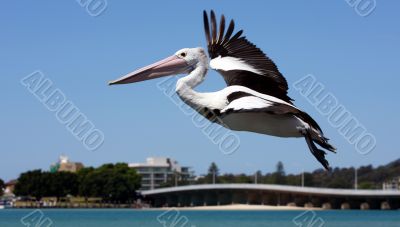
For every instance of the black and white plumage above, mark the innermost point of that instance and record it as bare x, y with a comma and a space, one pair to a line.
240, 62
255, 99
284, 120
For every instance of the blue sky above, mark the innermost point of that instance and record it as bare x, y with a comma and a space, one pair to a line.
356, 58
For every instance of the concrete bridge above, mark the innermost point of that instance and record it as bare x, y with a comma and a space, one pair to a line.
267, 194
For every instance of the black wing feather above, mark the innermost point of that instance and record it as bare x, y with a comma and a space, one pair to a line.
213, 27
229, 32
206, 27
270, 81
221, 29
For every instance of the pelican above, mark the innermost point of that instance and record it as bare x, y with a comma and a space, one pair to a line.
255, 99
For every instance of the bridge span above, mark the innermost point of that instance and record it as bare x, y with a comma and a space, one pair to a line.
268, 194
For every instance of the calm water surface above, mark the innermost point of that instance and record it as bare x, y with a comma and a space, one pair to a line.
128, 217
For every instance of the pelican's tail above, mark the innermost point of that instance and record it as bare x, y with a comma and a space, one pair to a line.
323, 142
313, 134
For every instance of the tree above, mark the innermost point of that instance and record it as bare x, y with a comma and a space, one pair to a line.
2, 187
213, 172
308, 180
213, 169
30, 184
40, 184
60, 184
227, 178
84, 188
339, 183
366, 185
258, 176
243, 179
112, 182
280, 169
278, 177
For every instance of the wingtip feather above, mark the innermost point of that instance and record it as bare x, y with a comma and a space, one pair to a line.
206, 27
221, 29
213, 27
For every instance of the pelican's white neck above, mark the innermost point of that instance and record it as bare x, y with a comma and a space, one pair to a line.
185, 85
193, 79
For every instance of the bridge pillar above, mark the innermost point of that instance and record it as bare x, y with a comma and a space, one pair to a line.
385, 206
254, 197
316, 201
308, 205
300, 200
196, 199
268, 199
326, 206
239, 197
345, 206
210, 197
225, 197
279, 199
364, 206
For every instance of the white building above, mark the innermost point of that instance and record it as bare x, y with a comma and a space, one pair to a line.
393, 184
64, 164
159, 171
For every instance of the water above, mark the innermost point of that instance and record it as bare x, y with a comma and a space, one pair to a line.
129, 217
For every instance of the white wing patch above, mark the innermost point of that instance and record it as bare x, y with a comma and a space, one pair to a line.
231, 63
234, 88
248, 103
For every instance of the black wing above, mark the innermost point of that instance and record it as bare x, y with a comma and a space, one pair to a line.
265, 78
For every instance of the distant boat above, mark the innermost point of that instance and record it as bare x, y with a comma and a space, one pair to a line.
2, 207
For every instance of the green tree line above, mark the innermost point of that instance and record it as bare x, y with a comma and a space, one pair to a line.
368, 176
111, 182
118, 182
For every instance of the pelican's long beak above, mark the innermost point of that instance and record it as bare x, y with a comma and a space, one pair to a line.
170, 66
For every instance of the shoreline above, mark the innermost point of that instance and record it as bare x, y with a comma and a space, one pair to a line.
238, 207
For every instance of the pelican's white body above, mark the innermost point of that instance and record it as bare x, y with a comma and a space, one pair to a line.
284, 125
269, 124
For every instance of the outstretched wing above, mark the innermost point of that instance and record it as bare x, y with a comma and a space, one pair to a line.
240, 62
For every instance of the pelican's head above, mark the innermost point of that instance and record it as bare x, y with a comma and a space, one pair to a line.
182, 62
193, 56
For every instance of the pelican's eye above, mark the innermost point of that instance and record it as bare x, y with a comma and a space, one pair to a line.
183, 54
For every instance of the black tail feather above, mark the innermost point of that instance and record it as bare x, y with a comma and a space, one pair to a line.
318, 153
325, 144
